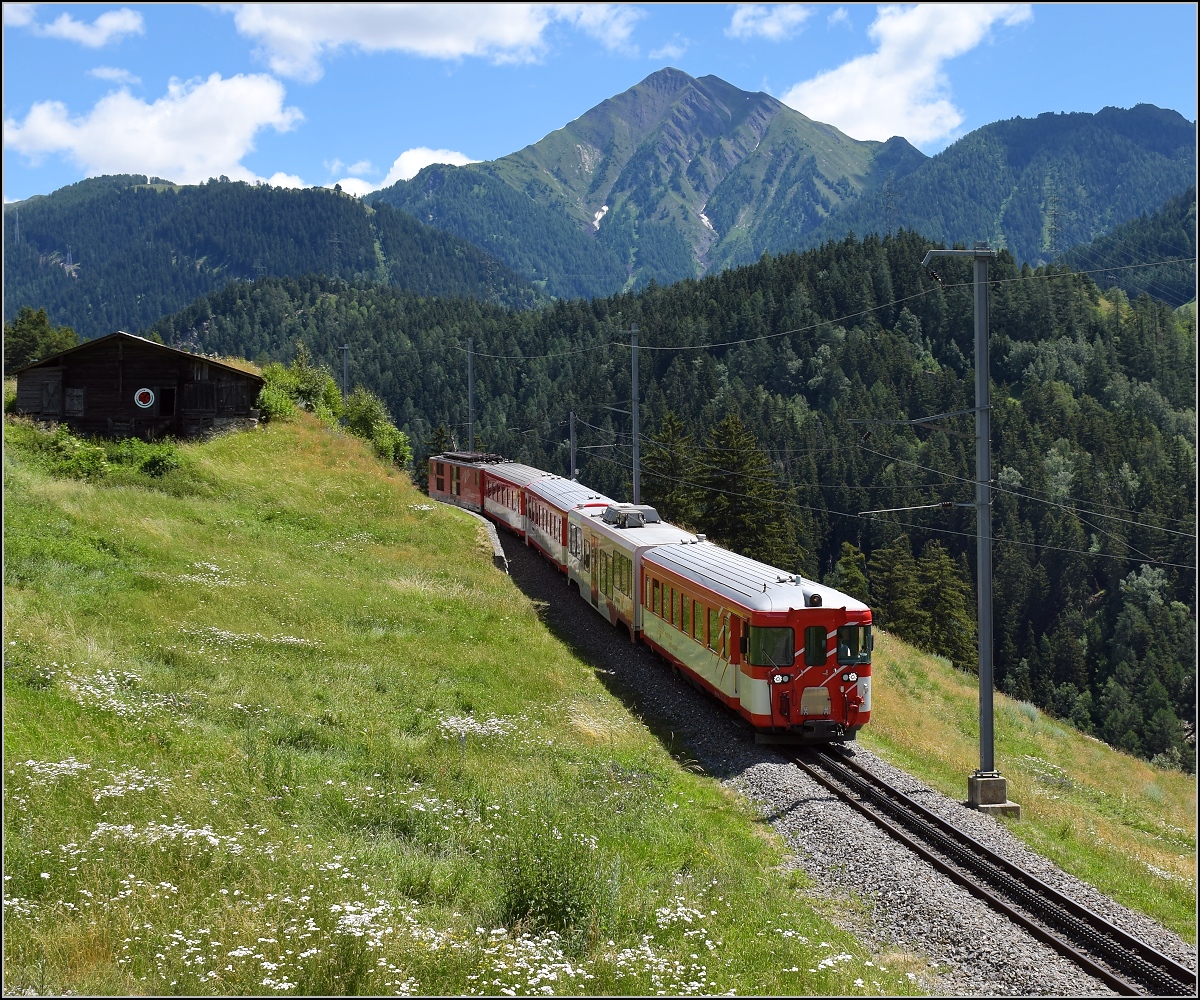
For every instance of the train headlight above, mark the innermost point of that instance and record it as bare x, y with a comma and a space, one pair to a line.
851, 676
781, 678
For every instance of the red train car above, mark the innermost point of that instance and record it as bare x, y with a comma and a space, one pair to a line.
488, 484
548, 503
457, 477
791, 656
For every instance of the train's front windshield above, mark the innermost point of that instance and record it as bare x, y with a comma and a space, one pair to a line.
854, 644
771, 647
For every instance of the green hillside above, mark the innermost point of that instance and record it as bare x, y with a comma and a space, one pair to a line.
1037, 186
1167, 234
117, 252
667, 180
1118, 823
273, 723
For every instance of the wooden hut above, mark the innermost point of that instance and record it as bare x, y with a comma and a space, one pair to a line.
125, 386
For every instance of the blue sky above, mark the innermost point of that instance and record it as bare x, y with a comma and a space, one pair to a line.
364, 94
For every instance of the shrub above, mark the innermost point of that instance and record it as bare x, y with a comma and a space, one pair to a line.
274, 402
153, 459
551, 880
77, 459
367, 416
161, 459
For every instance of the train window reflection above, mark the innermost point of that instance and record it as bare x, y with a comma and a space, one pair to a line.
771, 647
815, 653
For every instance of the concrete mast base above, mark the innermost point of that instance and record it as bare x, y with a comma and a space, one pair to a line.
988, 792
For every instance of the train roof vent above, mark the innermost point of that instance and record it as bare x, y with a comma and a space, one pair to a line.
628, 515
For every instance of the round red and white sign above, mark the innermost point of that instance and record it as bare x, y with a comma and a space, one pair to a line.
144, 398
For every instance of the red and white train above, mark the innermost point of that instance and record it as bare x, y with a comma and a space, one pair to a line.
791, 656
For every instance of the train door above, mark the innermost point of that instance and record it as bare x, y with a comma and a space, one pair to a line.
594, 546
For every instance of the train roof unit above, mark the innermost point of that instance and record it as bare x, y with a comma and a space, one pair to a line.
636, 526
745, 581
477, 459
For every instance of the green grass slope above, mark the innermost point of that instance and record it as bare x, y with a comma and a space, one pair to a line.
274, 724
1113, 820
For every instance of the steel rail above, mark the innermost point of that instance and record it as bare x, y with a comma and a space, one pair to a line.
1063, 926
1180, 973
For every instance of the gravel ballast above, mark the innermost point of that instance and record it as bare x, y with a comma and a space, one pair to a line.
873, 886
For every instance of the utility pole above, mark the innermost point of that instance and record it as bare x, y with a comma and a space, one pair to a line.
987, 789
574, 470
637, 457
470, 394
345, 349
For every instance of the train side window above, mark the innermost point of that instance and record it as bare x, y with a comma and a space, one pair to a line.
455, 484
675, 607
814, 646
441, 477
698, 621
685, 617
714, 628
654, 605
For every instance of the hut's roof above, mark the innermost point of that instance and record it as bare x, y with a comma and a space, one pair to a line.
57, 358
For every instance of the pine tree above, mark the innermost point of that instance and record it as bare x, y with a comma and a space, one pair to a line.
743, 505
669, 473
30, 337
947, 600
895, 587
849, 574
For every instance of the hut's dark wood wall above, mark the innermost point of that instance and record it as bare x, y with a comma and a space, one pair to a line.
92, 388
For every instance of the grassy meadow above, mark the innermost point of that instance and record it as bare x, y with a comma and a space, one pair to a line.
1113, 820
273, 723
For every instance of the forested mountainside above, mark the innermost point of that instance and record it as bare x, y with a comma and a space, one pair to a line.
749, 439
118, 252
667, 180
1036, 186
1168, 234
677, 177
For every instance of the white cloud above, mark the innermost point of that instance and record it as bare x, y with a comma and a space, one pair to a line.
674, 49
18, 15
406, 166
280, 179
111, 26
355, 186
362, 167
774, 22
611, 24
839, 16
412, 161
197, 130
114, 75
294, 38
901, 88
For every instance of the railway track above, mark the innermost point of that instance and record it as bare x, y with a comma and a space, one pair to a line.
1121, 961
